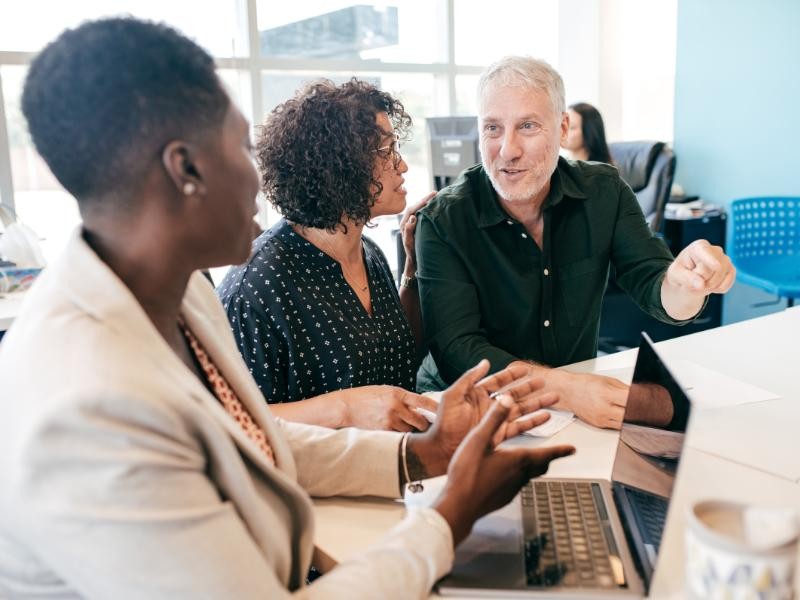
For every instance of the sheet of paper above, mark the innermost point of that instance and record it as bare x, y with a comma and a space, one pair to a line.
705, 387
711, 389
557, 421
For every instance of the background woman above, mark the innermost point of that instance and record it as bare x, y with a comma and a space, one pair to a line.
586, 139
315, 311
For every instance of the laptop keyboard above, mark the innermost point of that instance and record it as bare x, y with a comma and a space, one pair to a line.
565, 525
650, 512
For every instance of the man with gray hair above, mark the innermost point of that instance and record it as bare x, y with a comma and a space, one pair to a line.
514, 256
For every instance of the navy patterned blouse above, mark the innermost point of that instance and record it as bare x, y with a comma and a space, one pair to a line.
301, 328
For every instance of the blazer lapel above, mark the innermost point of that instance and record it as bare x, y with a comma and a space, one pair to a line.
96, 289
93, 286
205, 322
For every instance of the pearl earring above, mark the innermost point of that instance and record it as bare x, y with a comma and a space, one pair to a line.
189, 188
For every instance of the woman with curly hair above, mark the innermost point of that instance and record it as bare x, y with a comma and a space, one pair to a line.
315, 312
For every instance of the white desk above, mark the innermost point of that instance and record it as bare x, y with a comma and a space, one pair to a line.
9, 309
749, 452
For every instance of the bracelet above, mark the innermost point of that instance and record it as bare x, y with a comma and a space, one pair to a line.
413, 486
408, 282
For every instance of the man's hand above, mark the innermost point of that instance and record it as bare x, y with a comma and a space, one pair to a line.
481, 479
699, 270
464, 404
596, 399
408, 225
385, 407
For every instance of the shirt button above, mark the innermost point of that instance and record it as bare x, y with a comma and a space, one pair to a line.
547, 323
510, 222
546, 272
524, 235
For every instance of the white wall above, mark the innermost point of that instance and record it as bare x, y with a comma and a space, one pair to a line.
620, 56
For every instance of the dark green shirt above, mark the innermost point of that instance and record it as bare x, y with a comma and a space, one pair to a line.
488, 291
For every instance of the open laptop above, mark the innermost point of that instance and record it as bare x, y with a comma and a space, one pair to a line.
573, 538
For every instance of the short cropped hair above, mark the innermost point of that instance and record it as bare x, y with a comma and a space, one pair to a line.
524, 71
102, 100
316, 152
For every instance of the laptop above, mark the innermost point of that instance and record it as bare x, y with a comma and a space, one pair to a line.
573, 538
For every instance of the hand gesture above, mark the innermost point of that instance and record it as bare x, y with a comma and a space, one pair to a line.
463, 405
701, 269
386, 407
597, 399
481, 478
408, 225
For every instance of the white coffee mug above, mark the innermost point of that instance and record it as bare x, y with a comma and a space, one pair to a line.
740, 552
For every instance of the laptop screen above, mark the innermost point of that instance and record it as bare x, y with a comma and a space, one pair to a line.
654, 426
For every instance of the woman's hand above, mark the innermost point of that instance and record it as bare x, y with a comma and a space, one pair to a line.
464, 404
385, 407
481, 478
408, 225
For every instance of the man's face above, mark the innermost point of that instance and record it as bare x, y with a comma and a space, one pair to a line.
520, 137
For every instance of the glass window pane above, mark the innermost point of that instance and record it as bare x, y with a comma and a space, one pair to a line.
467, 94
41, 203
220, 26
483, 36
400, 31
238, 85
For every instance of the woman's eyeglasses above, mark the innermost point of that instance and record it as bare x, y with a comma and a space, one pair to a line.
391, 153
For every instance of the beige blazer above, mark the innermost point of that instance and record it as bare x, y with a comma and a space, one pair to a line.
121, 476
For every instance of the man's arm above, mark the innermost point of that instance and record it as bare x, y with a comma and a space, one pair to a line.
450, 308
640, 259
699, 270
673, 291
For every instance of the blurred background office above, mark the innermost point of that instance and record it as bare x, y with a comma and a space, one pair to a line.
710, 79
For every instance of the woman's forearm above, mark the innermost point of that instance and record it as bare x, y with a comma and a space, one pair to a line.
327, 410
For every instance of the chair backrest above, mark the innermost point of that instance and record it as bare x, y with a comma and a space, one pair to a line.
649, 168
760, 228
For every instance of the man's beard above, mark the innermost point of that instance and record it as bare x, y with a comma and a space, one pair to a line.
519, 194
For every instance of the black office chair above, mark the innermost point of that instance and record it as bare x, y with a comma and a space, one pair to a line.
649, 168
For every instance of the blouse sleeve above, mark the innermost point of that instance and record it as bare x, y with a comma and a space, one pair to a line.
260, 343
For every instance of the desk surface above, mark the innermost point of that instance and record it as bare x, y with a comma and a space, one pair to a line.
765, 470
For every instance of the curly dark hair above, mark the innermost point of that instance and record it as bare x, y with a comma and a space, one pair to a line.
316, 152
102, 101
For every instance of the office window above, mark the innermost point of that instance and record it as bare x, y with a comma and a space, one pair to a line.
401, 45
402, 31
219, 26
39, 200
466, 94
486, 32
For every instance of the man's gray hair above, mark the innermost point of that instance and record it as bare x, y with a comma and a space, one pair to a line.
525, 71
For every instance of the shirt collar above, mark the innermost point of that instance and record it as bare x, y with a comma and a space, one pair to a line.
561, 184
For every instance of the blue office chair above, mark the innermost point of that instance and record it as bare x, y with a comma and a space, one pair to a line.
764, 244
